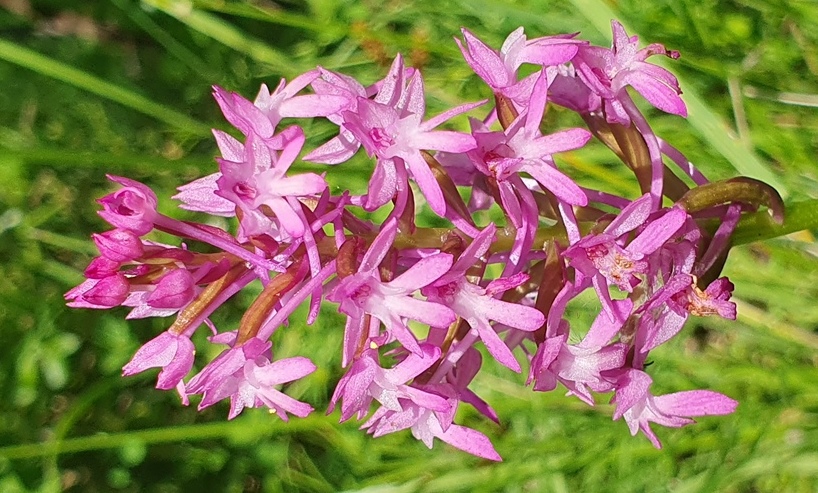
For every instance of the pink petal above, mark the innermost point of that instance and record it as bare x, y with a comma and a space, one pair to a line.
174, 290
300, 185
469, 440
451, 113
485, 61
380, 246
427, 182
658, 94
423, 273
631, 217
562, 141
695, 403
284, 370
230, 148
558, 183
312, 105
497, 348
633, 390
658, 232
336, 150
199, 195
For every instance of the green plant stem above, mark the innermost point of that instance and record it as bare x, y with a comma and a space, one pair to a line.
238, 429
760, 226
24, 57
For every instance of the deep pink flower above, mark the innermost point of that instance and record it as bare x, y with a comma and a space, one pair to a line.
390, 127
580, 366
259, 179
714, 300
523, 148
462, 374
284, 101
107, 292
499, 68
118, 245
601, 257
174, 290
200, 195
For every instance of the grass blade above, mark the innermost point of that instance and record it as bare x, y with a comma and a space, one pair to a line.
24, 57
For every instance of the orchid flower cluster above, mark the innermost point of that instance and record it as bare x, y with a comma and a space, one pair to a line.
421, 302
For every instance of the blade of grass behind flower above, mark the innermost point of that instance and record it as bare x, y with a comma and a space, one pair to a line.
32, 60
701, 117
167, 41
229, 35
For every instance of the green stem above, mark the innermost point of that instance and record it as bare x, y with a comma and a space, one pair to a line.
760, 226
14, 53
238, 429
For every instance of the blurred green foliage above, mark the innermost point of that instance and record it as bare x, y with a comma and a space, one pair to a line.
124, 87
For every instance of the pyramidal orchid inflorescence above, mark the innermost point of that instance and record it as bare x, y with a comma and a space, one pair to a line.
419, 302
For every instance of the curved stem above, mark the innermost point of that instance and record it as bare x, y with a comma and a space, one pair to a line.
761, 226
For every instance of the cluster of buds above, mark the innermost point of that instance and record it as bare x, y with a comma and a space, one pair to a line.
652, 262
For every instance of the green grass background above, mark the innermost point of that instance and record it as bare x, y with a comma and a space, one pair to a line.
123, 87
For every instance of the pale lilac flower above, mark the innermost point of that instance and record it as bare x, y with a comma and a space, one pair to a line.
363, 293
608, 71
390, 127
173, 353
426, 425
499, 68
366, 380
478, 305
639, 407
246, 375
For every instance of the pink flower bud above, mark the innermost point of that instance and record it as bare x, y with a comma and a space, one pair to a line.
174, 290
109, 292
101, 267
132, 207
119, 245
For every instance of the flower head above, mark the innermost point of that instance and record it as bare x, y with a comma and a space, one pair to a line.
608, 71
